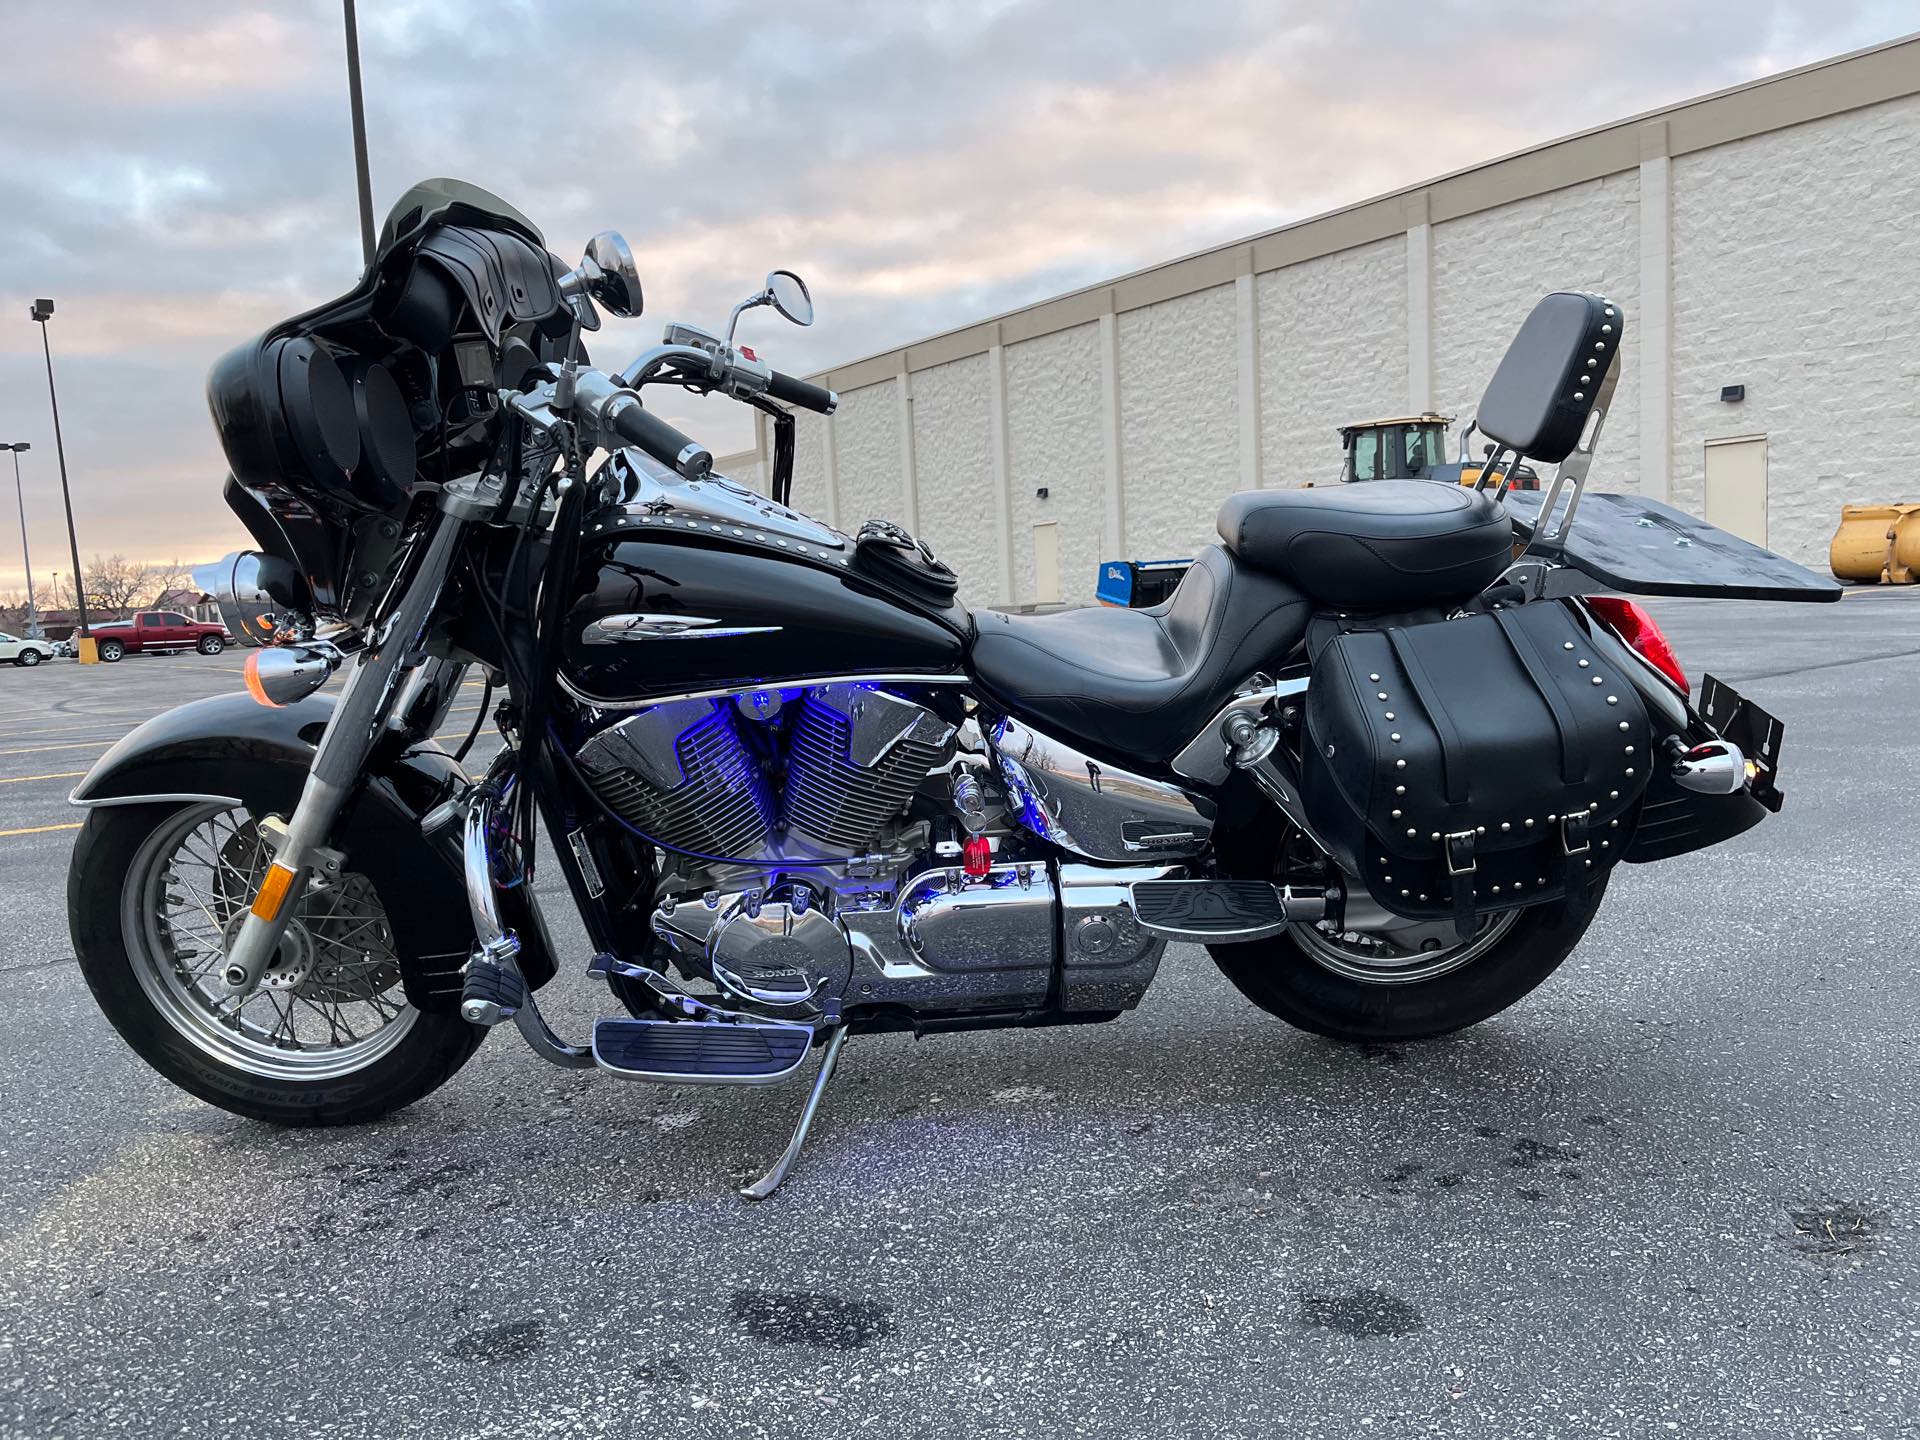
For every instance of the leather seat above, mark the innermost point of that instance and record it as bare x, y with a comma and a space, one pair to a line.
1374, 545
1139, 684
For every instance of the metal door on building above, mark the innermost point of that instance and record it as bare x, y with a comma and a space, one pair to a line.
1737, 486
1046, 563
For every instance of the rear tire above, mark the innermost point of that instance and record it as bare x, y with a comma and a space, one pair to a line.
153, 973
211, 645
111, 650
1295, 978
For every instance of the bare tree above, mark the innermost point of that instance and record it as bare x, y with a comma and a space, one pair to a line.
173, 576
115, 583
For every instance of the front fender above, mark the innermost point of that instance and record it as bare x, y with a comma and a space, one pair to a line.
231, 749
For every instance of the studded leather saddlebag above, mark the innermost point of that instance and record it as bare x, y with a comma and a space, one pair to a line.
1475, 764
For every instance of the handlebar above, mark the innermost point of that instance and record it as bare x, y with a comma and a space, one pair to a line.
802, 393
639, 426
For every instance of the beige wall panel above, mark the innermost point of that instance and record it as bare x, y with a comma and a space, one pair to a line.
1179, 421
1796, 272
867, 459
1053, 440
1333, 348
809, 461
1490, 269
953, 463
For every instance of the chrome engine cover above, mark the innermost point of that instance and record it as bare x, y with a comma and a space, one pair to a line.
1090, 807
946, 943
780, 949
809, 788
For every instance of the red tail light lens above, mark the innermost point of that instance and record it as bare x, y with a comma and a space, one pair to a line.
1635, 626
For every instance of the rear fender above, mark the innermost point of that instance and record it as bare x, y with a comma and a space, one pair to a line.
231, 749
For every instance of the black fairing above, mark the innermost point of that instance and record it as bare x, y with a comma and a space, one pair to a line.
228, 745
802, 619
330, 418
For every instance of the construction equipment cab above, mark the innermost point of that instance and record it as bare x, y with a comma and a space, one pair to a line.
1413, 447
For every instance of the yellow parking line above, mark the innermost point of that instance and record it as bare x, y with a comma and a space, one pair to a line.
75, 745
57, 775
42, 829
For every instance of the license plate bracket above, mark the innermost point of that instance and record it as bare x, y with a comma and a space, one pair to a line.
1758, 734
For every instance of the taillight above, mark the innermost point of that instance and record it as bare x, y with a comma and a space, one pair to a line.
1635, 626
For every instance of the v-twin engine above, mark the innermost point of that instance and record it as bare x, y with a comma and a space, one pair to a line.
812, 846
830, 768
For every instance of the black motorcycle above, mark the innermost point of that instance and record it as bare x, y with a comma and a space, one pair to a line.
1380, 751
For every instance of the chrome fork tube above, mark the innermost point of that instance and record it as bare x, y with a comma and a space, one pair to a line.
300, 847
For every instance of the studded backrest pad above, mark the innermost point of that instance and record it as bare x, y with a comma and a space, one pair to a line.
1464, 746
1539, 399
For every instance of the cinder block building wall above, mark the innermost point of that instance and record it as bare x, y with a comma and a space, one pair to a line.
1760, 237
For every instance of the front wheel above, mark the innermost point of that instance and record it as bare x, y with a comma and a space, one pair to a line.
154, 896
1411, 983
27, 659
211, 645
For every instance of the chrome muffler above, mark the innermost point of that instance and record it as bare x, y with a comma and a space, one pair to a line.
1715, 767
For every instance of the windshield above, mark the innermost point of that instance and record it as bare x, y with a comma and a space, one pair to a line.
454, 201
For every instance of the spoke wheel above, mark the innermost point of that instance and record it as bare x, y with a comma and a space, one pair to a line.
1405, 955
329, 1005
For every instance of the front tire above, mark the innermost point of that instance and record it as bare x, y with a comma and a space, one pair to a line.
27, 659
1332, 986
211, 645
326, 1039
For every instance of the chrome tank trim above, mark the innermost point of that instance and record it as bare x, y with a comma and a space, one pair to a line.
1091, 808
599, 702
654, 495
618, 629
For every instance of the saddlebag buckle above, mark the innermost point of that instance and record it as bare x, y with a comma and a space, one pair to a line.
1573, 832
1460, 849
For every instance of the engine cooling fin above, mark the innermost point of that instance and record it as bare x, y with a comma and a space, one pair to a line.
855, 759
681, 773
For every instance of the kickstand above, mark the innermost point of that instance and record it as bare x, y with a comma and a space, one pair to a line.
772, 1180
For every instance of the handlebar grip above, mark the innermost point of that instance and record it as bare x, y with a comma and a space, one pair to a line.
641, 427
800, 392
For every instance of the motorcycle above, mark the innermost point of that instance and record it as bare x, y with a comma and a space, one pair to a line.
1380, 751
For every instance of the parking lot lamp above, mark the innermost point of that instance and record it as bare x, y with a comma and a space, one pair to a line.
33, 613
41, 310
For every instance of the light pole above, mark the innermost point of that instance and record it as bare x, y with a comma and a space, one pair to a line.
358, 108
41, 310
19, 497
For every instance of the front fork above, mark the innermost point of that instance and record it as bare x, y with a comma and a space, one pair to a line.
300, 845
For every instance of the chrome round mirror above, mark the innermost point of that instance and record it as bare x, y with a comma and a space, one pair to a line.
616, 289
788, 294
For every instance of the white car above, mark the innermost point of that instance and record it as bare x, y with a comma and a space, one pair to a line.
24, 652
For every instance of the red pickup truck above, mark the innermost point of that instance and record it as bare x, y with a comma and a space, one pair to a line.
158, 630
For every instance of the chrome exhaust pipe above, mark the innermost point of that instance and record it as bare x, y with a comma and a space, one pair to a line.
1714, 768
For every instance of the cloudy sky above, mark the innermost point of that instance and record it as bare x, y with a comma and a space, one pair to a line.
177, 174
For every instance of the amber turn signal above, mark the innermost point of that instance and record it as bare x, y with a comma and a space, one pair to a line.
273, 892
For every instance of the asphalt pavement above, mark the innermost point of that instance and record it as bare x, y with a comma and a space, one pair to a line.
1672, 1192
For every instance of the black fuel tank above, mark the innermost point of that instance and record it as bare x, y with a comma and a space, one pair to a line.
662, 613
